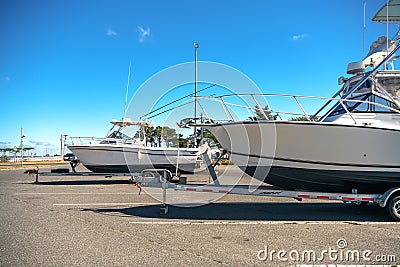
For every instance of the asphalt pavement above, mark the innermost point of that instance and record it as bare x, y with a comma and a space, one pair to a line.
93, 220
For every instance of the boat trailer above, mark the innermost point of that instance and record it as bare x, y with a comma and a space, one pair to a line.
389, 200
161, 178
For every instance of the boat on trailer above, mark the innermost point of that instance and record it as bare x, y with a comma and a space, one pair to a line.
120, 153
353, 147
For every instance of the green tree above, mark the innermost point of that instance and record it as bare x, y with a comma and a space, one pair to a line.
302, 118
207, 136
157, 134
157, 131
14, 151
267, 111
169, 135
183, 142
28, 148
149, 134
3, 157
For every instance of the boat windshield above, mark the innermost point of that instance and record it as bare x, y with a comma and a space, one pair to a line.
365, 103
118, 135
365, 87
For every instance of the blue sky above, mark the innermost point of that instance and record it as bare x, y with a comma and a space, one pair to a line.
64, 64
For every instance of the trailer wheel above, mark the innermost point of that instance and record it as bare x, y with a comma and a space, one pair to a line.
150, 174
394, 208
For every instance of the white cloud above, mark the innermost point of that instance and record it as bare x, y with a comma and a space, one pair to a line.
7, 79
6, 143
143, 34
111, 32
41, 143
299, 37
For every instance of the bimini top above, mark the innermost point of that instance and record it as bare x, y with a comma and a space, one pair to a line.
128, 122
390, 12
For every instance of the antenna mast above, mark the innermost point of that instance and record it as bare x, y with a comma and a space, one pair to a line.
364, 26
196, 46
387, 28
127, 87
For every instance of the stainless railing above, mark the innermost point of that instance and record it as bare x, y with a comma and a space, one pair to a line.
229, 107
79, 140
377, 90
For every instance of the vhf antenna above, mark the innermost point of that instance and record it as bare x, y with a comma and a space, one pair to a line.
127, 87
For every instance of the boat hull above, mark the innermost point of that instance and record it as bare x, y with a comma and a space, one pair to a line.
102, 158
314, 156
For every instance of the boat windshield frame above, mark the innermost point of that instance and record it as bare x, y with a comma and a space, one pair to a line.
118, 134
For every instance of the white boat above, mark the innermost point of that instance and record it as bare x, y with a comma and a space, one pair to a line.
121, 153
353, 147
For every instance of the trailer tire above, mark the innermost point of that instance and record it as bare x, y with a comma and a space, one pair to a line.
394, 208
150, 174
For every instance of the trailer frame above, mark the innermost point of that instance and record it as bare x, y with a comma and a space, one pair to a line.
162, 178
389, 199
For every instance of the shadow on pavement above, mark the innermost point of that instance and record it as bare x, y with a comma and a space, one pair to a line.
84, 182
259, 211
